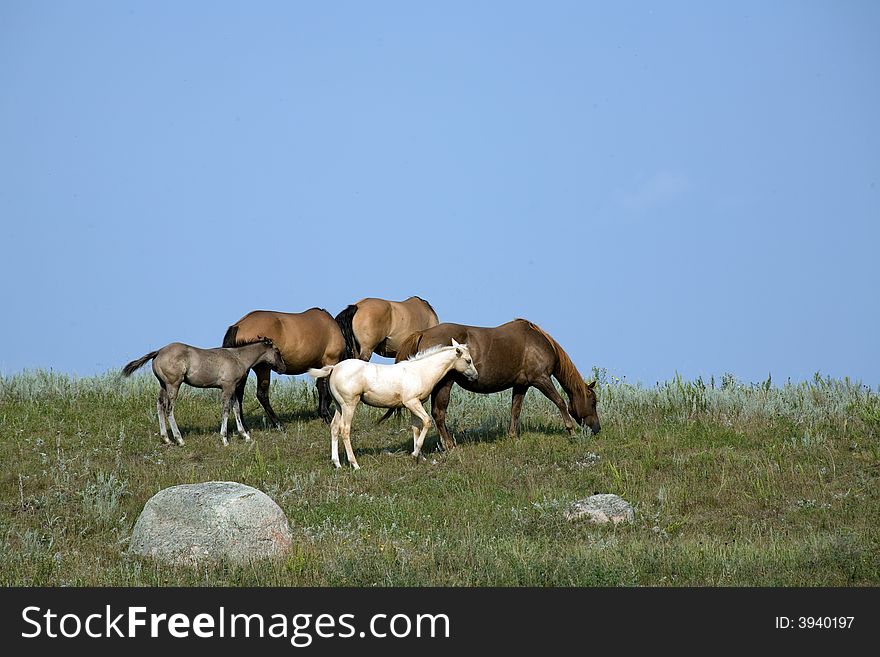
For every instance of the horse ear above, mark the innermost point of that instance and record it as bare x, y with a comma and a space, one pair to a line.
591, 385
455, 343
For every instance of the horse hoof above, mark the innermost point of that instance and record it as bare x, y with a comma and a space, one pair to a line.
355, 466
225, 442
180, 443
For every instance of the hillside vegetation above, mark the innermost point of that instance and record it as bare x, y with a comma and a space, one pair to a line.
733, 484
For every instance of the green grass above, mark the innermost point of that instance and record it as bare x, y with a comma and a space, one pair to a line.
733, 485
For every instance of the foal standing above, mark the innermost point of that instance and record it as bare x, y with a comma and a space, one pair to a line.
224, 368
390, 386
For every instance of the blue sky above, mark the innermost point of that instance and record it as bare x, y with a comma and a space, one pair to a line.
664, 187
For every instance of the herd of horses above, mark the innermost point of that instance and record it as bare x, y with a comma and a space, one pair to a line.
430, 358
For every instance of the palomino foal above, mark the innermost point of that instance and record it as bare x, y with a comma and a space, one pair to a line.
224, 368
405, 384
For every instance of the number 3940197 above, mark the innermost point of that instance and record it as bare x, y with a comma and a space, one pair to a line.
815, 622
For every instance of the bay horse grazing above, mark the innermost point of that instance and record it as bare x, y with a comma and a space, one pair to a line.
306, 340
404, 384
227, 369
515, 355
376, 325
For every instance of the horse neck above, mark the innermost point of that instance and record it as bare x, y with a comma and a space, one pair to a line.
251, 353
567, 374
422, 308
441, 362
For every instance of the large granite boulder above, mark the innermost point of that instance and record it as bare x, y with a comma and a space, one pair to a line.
211, 521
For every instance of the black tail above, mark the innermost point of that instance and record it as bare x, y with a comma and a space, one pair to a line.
229, 338
388, 414
352, 346
129, 369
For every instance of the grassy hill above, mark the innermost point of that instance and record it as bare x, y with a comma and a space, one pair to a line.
733, 484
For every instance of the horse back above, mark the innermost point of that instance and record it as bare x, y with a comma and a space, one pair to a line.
506, 355
408, 317
308, 339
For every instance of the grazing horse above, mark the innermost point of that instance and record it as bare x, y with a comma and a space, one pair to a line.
404, 384
226, 369
377, 325
514, 355
306, 340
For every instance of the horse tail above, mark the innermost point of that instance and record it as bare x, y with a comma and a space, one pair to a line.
129, 369
388, 414
320, 373
409, 347
229, 340
344, 319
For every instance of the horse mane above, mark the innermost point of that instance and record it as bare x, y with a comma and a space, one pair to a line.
258, 340
408, 347
565, 371
430, 351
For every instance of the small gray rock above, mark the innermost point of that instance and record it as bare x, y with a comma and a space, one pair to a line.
601, 509
588, 461
208, 522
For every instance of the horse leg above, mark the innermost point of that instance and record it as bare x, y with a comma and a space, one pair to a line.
225, 402
161, 402
439, 403
347, 417
172, 395
239, 399
418, 412
263, 373
323, 386
416, 425
335, 428
239, 420
519, 393
545, 385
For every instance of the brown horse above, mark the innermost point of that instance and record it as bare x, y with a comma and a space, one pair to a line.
380, 326
309, 339
514, 355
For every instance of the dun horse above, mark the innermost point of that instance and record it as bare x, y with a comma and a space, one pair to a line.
405, 384
514, 355
306, 340
377, 325
226, 369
